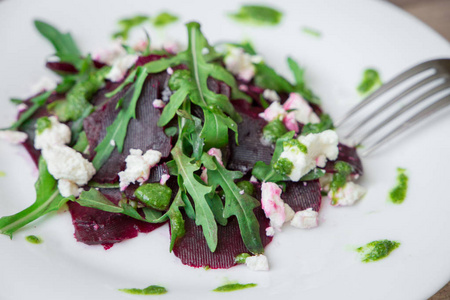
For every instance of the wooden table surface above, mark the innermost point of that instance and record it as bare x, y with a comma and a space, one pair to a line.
435, 13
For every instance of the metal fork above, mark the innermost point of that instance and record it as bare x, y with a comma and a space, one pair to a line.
441, 72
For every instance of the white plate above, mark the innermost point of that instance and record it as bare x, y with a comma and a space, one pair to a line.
314, 264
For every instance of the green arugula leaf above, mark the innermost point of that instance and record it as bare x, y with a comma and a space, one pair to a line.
204, 216
239, 205
38, 102
164, 19
257, 15
128, 24
118, 129
325, 124
300, 85
48, 199
130, 79
65, 46
177, 229
217, 208
267, 78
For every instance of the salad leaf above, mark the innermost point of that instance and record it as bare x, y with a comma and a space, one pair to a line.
267, 78
325, 124
257, 15
48, 199
198, 191
38, 102
300, 85
239, 205
118, 129
65, 46
164, 19
128, 24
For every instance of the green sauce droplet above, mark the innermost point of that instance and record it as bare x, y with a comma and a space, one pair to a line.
377, 250
240, 259
2, 174
150, 290
398, 194
33, 239
274, 130
371, 80
154, 195
234, 287
42, 124
283, 166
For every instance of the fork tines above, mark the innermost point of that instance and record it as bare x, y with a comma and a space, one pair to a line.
412, 96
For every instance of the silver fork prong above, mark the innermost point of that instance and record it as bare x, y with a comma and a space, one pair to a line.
386, 87
438, 105
391, 102
402, 110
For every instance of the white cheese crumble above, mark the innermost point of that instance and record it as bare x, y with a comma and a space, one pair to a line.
273, 205
22, 107
301, 109
138, 167
68, 188
274, 111
325, 181
110, 55
169, 71
240, 63
44, 84
164, 179
271, 95
112, 143
270, 231
217, 153
289, 212
257, 262
158, 103
253, 179
320, 147
305, 219
58, 134
121, 66
348, 194
13, 137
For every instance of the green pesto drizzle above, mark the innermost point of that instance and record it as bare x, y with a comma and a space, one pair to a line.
257, 15
234, 287
241, 258
377, 250
42, 124
150, 290
274, 130
312, 32
33, 239
398, 194
2, 174
371, 80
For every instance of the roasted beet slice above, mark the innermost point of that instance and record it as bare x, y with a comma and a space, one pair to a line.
193, 251
61, 67
303, 195
143, 132
94, 227
349, 155
250, 150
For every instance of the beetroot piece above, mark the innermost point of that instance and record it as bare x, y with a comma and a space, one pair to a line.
94, 227
193, 251
350, 156
250, 149
303, 195
142, 60
143, 132
61, 67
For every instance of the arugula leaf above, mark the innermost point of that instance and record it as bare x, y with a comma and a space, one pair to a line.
267, 78
300, 85
198, 192
239, 205
164, 19
257, 15
130, 79
325, 124
217, 208
177, 229
65, 46
128, 24
48, 199
371, 81
38, 102
118, 129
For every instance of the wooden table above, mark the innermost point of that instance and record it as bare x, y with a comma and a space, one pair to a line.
435, 13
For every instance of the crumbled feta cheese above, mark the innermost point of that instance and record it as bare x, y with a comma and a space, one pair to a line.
171, 47
274, 111
112, 143
325, 181
68, 188
58, 134
121, 66
110, 55
44, 84
270, 231
348, 194
138, 167
305, 219
205, 51
13, 137
164, 179
166, 93
204, 175
65, 163
272, 204
169, 71
321, 146
217, 154
291, 122
22, 107
257, 262
289, 212
302, 111
241, 192
271, 95
253, 179
240, 63
141, 46
243, 87
158, 103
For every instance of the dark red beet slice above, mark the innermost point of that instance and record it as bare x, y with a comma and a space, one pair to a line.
143, 132
94, 227
61, 67
142, 60
349, 155
193, 251
303, 195
250, 149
